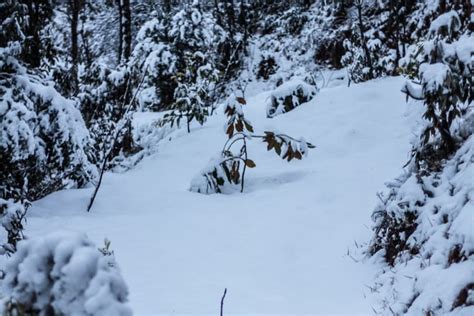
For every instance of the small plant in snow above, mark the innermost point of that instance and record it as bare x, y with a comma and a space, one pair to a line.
227, 171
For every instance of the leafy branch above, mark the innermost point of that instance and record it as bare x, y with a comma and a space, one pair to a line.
231, 165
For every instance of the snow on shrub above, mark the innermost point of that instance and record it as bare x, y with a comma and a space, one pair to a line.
63, 274
424, 232
423, 225
12, 217
288, 96
44, 142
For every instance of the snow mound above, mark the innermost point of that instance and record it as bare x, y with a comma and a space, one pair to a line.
288, 96
64, 274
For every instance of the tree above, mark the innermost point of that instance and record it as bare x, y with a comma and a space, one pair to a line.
446, 85
44, 143
75, 7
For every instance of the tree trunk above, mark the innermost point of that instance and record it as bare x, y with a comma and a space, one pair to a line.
120, 37
167, 6
74, 10
127, 29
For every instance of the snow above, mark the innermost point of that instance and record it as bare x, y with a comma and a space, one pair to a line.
281, 247
66, 271
296, 90
449, 20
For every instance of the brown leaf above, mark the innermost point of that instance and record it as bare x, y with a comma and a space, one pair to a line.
250, 163
241, 100
230, 130
239, 126
278, 149
270, 145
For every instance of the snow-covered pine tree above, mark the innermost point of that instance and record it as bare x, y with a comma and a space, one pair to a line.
105, 96
154, 57
196, 37
44, 144
444, 71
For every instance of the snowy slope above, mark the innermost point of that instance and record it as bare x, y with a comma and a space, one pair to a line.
280, 247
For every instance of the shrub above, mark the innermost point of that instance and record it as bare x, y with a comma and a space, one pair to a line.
63, 274
288, 96
226, 172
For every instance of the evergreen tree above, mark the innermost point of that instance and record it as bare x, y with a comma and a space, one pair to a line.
44, 140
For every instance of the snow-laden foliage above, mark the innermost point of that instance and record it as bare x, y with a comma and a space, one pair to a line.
288, 43
44, 142
63, 274
153, 56
12, 215
179, 58
423, 225
106, 103
226, 172
289, 96
424, 231
443, 67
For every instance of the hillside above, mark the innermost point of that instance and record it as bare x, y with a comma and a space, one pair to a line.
282, 245
205, 157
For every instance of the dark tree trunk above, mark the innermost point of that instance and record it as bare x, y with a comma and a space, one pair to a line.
229, 8
167, 6
74, 10
127, 29
120, 48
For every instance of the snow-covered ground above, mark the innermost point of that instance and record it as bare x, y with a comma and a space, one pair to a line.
280, 247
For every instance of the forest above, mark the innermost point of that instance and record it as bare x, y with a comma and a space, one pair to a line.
219, 157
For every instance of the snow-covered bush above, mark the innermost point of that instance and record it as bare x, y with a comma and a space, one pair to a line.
423, 224
226, 172
267, 67
179, 58
105, 97
195, 38
155, 57
12, 218
423, 231
63, 274
443, 66
288, 96
44, 142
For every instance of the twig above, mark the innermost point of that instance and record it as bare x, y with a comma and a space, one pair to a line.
222, 302
245, 166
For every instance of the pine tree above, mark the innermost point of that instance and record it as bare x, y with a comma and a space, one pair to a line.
44, 140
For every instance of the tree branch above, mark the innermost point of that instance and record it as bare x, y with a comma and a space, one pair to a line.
222, 302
